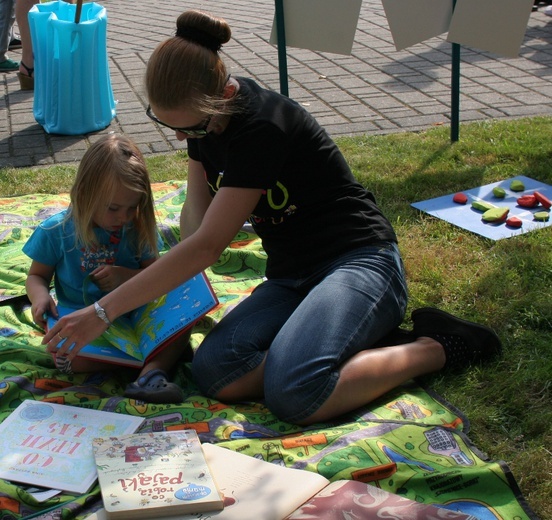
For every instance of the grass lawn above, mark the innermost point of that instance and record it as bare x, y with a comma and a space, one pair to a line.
505, 284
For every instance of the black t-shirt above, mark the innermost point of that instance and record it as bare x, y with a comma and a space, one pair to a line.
312, 208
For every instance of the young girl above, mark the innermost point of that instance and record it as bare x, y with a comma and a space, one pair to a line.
309, 339
109, 234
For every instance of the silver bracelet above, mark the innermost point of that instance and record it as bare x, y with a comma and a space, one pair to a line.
100, 312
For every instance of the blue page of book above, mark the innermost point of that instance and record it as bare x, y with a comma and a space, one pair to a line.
162, 318
133, 337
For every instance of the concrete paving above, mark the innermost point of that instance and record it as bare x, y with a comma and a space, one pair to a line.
375, 90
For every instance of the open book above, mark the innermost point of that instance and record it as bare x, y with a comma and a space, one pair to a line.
255, 489
133, 339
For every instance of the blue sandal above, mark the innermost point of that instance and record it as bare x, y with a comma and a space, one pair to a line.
154, 387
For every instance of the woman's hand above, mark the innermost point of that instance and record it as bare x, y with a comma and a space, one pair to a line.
77, 329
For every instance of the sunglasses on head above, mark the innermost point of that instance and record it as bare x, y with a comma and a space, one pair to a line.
192, 131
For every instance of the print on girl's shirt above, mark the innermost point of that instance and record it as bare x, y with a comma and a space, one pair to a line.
97, 256
104, 254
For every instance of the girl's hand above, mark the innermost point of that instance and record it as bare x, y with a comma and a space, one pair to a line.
41, 308
108, 277
77, 329
37, 285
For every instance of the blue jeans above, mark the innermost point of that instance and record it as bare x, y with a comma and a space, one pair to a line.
7, 18
307, 329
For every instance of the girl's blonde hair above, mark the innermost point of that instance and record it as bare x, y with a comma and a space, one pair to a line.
111, 162
186, 71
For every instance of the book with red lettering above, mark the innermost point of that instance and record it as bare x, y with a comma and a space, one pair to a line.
150, 475
50, 444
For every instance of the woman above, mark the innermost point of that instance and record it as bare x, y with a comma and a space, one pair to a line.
335, 285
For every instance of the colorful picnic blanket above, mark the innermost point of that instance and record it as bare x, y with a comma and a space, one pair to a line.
410, 442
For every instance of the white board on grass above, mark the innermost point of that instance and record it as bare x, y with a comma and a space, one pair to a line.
464, 216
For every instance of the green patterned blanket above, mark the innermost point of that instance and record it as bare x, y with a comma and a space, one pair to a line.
409, 442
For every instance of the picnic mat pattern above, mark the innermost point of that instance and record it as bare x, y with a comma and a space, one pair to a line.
410, 441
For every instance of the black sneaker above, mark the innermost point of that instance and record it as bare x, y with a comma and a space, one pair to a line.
464, 342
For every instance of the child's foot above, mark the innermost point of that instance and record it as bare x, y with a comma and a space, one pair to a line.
464, 342
154, 387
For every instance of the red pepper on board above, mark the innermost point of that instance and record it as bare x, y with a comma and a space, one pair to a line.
545, 201
528, 201
514, 222
460, 198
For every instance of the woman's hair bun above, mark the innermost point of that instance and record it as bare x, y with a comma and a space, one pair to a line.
203, 29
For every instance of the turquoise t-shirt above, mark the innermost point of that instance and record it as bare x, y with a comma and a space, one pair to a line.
53, 243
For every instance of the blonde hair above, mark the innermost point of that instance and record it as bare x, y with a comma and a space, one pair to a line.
111, 162
186, 71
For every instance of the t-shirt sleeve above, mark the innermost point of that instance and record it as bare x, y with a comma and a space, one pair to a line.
43, 245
